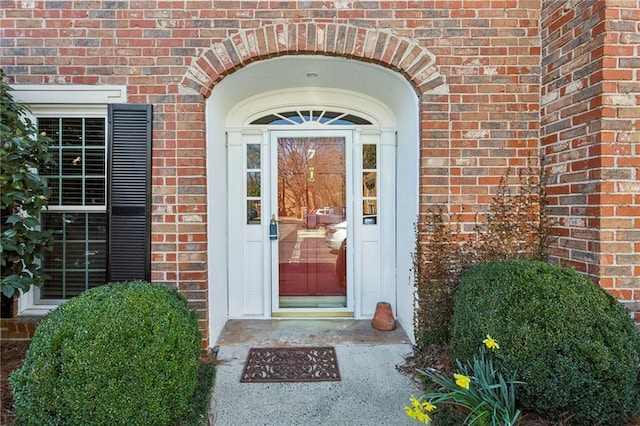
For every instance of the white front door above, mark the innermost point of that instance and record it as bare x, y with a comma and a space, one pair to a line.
311, 221
311, 204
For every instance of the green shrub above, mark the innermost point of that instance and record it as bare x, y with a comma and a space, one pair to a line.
121, 354
23, 194
198, 412
573, 344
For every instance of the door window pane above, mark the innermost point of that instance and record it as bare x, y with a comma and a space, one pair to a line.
253, 183
253, 156
253, 212
369, 184
369, 210
312, 224
369, 156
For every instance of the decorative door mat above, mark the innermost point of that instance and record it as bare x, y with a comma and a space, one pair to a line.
291, 364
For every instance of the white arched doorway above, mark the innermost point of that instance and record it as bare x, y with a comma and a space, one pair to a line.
339, 107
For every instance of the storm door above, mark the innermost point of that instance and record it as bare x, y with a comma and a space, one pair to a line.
308, 230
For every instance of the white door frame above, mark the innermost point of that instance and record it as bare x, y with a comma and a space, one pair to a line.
372, 249
372, 263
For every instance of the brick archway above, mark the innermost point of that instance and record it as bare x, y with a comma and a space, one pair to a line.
400, 54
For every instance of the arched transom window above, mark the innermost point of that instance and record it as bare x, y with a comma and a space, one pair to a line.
301, 117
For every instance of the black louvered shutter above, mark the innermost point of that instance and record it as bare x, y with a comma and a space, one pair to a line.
129, 192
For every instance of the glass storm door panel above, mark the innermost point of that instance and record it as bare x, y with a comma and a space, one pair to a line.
311, 212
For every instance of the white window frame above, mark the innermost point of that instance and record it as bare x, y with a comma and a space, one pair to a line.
62, 101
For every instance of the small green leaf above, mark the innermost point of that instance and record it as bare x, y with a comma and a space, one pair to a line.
31, 222
9, 234
8, 290
13, 219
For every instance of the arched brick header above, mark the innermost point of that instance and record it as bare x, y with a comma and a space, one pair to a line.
401, 54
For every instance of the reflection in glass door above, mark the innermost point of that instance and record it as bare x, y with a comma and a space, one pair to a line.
312, 222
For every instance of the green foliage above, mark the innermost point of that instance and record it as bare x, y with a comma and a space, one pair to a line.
435, 266
478, 389
197, 415
23, 194
574, 345
120, 354
516, 225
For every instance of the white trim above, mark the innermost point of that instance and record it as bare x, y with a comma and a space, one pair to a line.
267, 208
36, 94
59, 101
27, 305
77, 209
272, 170
339, 100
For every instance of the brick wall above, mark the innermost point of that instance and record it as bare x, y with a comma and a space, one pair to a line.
489, 53
589, 133
480, 115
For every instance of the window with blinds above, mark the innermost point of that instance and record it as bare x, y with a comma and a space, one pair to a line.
77, 212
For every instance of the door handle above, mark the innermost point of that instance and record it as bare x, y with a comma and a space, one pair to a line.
273, 228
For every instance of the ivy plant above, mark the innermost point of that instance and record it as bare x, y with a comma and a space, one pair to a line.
23, 194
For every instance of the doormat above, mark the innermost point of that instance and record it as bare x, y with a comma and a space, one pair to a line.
291, 364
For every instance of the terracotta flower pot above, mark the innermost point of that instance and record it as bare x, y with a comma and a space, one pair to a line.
383, 317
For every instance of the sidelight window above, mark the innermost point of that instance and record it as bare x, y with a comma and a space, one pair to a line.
369, 184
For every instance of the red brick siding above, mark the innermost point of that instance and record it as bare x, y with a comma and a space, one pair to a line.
476, 65
589, 132
20, 328
489, 54
570, 62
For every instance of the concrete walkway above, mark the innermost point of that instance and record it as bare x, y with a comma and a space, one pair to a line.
371, 390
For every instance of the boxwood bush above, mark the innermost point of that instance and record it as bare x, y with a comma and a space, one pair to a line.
120, 354
573, 344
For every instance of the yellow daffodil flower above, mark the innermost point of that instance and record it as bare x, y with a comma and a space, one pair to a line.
417, 414
417, 410
491, 343
423, 418
428, 406
414, 402
410, 412
462, 380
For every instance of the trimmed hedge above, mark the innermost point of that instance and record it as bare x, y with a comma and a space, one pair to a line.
573, 344
120, 354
